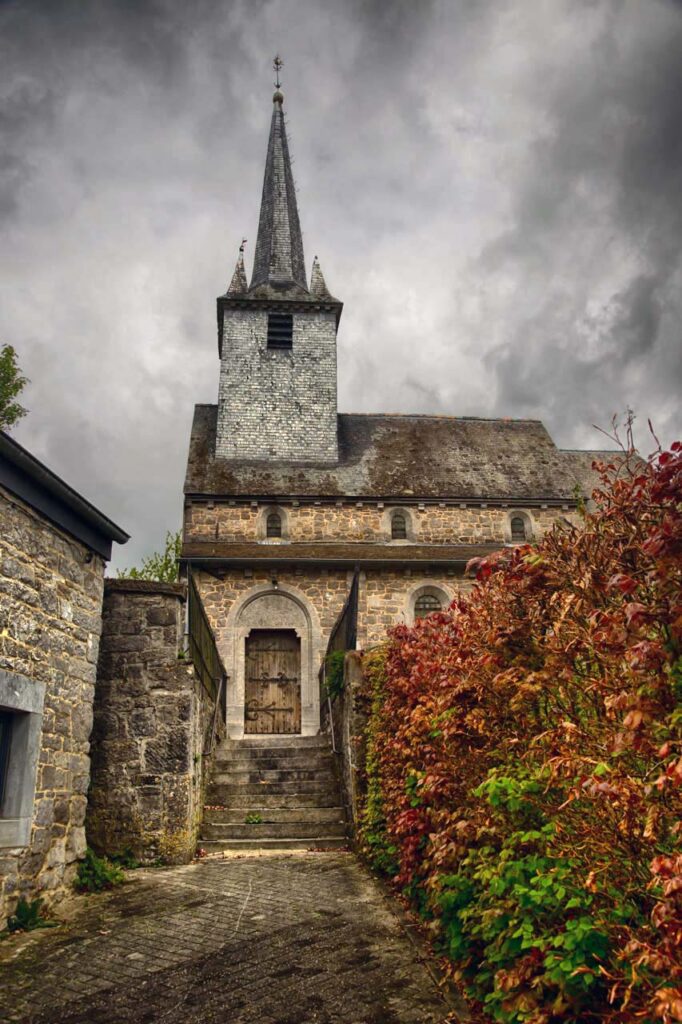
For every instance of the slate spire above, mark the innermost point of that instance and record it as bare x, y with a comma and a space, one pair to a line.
238, 285
318, 286
278, 258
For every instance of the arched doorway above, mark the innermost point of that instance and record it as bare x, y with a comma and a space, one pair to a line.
272, 702
276, 646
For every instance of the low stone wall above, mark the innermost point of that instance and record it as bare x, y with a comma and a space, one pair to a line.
152, 719
347, 724
50, 601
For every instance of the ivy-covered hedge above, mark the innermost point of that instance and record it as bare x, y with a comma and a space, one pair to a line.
525, 765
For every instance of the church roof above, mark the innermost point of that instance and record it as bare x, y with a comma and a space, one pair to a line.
580, 463
399, 456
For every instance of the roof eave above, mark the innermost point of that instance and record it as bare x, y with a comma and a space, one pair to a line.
226, 562
513, 501
29, 479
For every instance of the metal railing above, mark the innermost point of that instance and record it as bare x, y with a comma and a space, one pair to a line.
203, 651
343, 638
345, 632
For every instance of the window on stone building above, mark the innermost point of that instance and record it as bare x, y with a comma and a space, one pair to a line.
5, 735
518, 528
273, 526
21, 714
425, 604
398, 526
280, 330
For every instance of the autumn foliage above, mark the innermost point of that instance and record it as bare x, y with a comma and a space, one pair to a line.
525, 764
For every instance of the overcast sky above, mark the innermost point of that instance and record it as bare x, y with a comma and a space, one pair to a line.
493, 188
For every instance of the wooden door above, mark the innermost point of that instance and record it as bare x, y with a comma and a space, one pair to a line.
273, 682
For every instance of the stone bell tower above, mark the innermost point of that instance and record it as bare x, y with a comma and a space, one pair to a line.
277, 336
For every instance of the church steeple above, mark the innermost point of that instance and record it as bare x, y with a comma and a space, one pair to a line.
278, 259
277, 337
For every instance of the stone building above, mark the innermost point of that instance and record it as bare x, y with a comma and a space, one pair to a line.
287, 501
53, 548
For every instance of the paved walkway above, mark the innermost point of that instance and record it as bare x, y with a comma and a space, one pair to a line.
298, 939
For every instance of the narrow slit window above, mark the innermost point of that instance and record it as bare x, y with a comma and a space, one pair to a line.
398, 526
518, 528
280, 330
273, 525
425, 605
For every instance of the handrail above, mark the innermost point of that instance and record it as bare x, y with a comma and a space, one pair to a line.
343, 637
204, 653
344, 633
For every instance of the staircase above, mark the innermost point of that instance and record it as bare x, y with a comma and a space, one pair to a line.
285, 786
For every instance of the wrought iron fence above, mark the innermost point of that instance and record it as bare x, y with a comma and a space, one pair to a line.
207, 662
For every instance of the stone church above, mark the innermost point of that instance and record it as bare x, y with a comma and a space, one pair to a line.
292, 508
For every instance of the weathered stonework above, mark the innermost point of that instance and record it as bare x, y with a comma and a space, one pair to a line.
50, 601
444, 523
152, 718
278, 403
386, 598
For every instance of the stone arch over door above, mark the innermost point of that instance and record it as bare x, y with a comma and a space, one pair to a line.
274, 608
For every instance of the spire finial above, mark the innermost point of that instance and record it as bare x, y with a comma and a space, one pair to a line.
277, 65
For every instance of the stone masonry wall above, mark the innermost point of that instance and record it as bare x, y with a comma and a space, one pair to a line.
50, 606
152, 717
432, 524
278, 403
326, 590
384, 597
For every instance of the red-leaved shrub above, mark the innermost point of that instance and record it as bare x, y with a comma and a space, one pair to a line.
525, 764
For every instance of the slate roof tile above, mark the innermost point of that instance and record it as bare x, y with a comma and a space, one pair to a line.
401, 456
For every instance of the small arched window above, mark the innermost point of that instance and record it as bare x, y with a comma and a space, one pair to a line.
273, 525
398, 526
518, 528
425, 605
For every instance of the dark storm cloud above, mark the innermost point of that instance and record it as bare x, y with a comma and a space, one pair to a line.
493, 190
605, 189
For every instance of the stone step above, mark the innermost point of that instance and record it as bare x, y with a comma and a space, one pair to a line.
298, 776
274, 753
269, 830
311, 843
235, 815
247, 797
285, 762
293, 788
276, 741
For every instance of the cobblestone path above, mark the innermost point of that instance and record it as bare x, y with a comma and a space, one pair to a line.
298, 939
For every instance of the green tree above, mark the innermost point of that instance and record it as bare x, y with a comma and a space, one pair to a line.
161, 566
12, 383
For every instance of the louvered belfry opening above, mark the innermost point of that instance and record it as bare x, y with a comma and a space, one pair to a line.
280, 330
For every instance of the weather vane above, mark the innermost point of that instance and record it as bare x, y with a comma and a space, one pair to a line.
277, 65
